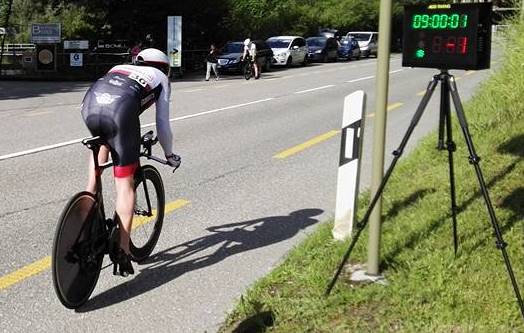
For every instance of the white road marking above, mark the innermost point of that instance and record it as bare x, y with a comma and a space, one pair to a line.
360, 79
314, 89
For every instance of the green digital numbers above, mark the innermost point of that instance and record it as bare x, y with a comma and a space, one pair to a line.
439, 21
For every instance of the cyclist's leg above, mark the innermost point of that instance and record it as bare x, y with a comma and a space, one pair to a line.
125, 203
103, 155
255, 64
125, 144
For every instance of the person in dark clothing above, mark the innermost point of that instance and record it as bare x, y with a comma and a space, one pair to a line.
211, 59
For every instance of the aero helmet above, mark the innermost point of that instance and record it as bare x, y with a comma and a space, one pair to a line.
154, 58
247, 41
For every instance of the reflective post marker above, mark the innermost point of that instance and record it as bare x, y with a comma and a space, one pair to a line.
349, 166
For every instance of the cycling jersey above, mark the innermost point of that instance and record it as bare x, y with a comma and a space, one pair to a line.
112, 106
251, 50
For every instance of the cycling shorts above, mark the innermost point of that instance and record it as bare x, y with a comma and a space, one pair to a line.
112, 112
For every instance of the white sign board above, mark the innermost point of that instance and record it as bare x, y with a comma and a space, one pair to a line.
2, 31
76, 59
45, 33
76, 44
349, 166
174, 40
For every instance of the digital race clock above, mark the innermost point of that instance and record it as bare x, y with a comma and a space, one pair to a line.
447, 36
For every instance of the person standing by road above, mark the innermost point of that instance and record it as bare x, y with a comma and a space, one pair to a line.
211, 59
135, 51
250, 54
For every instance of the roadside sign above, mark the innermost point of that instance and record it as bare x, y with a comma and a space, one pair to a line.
47, 33
76, 59
174, 40
46, 57
76, 44
2, 31
349, 165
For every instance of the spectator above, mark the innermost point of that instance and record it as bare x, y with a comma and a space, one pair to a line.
211, 59
250, 54
135, 51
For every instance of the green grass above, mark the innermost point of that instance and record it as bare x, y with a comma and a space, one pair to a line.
429, 290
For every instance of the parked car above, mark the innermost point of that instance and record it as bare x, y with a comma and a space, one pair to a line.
349, 48
327, 32
288, 50
322, 48
367, 40
229, 58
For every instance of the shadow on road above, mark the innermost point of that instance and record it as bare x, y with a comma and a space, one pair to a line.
222, 242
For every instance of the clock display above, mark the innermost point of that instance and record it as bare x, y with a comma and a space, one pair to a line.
447, 36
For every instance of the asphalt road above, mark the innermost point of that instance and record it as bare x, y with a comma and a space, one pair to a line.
243, 209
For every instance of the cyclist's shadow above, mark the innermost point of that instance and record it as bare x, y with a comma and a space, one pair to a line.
224, 241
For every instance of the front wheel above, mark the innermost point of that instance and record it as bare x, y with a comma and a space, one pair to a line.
248, 71
148, 212
75, 261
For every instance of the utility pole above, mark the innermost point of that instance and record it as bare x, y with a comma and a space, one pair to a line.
6, 23
379, 133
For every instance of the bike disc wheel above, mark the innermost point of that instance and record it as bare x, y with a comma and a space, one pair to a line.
74, 276
147, 219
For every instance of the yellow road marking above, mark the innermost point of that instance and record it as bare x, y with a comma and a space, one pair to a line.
420, 93
43, 264
390, 107
305, 145
394, 106
25, 272
470, 72
169, 208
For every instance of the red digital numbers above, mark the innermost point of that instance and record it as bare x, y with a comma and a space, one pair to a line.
449, 45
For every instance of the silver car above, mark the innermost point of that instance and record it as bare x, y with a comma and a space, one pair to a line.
288, 50
367, 41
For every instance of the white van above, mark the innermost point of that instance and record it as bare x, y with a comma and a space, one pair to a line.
367, 41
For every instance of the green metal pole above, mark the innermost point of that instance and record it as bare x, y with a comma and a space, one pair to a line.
379, 133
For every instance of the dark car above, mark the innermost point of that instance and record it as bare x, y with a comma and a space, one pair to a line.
322, 48
229, 58
348, 48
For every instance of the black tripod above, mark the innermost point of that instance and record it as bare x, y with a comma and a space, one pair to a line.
448, 87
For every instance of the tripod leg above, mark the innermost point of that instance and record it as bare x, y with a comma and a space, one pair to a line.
450, 146
475, 159
397, 153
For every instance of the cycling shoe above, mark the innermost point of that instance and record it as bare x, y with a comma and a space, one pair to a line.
122, 265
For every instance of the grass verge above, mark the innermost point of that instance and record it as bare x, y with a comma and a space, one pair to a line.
429, 289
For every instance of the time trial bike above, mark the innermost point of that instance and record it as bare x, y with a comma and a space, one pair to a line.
84, 235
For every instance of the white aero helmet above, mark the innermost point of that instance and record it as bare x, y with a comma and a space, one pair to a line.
247, 41
154, 58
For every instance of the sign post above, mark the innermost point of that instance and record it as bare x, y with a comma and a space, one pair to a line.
46, 36
174, 41
349, 166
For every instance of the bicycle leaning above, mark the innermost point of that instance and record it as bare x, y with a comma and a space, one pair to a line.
84, 234
248, 68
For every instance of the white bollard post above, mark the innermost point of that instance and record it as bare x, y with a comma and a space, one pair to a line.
349, 166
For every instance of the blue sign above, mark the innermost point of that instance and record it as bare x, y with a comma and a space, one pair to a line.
45, 33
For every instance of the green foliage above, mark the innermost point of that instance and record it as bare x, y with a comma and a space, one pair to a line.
429, 288
77, 21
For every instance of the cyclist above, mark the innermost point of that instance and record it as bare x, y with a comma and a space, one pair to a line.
111, 109
250, 53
